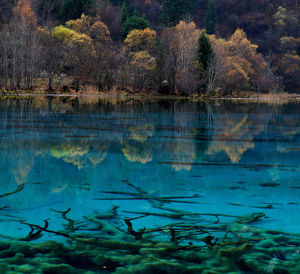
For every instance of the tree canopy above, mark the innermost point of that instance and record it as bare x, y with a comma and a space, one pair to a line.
73, 9
210, 19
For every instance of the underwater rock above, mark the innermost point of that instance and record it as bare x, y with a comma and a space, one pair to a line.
58, 269
156, 266
234, 251
104, 245
268, 243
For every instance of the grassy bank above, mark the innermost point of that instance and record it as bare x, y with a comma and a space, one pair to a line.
114, 93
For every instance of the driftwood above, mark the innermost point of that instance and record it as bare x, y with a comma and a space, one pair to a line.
18, 189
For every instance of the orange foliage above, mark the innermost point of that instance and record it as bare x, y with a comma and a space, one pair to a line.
239, 64
24, 12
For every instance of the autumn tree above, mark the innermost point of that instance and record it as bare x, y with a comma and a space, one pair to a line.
142, 66
138, 40
82, 24
100, 33
140, 48
101, 39
5, 40
104, 68
79, 49
242, 67
46, 11
180, 44
23, 46
110, 15
289, 67
51, 54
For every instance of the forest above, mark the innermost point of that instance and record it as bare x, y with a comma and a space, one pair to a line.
166, 46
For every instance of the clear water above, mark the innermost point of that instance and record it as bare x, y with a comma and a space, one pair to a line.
237, 157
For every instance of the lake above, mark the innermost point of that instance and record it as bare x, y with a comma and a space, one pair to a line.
168, 179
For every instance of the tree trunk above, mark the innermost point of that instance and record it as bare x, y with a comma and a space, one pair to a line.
77, 84
50, 82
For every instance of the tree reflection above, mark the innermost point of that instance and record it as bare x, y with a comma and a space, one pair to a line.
235, 129
73, 138
136, 148
234, 138
187, 132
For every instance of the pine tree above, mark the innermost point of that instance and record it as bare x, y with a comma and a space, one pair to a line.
73, 9
204, 52
133, 22
124, 13
210, 19
174, 10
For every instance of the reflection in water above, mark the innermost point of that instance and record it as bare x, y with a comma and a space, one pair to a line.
136, 148
67, 150
196, 164
234, 137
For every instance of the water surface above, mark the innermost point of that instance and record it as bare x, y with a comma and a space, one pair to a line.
88, 154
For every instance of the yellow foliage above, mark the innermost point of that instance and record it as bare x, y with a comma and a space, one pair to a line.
142, 60
288, 44
62, 33
78, 44
138, 40
44, 34
237, 130
291, 63
71, 153
142, 132
136, 152
281, 17
136, 149
238, 44
182, 42
99, 32
81, 25
182, 25
238, 61
187, 36
81, 40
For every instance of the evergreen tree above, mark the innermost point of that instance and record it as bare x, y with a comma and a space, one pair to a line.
73, 9
210, 18
204, 52
174, 10
120, 2
133, 22
124, 13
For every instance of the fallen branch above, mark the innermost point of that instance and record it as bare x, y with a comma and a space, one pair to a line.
19, 188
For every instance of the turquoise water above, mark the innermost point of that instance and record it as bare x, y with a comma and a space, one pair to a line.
87, 154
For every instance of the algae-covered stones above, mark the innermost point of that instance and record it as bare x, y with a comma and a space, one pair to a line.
58, 269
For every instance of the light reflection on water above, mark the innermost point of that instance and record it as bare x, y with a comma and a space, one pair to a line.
79, 152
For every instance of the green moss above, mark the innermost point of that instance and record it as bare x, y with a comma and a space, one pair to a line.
111, 250
267, 243
160, 266
58, 269
26, 268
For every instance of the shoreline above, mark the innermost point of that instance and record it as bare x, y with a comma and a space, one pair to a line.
241, 96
